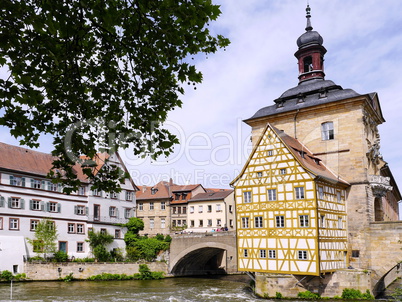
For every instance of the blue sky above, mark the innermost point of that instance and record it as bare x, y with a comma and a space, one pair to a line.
364, 44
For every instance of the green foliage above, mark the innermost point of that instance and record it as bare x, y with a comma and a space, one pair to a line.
146, 274
107, 277
101, 254
308, 295
19, 277
117, 254
99, 75
168, 238
397, 294
141, 247
86, 259
98, 242
36, 258
60, 256
45, 237
355, 294
160, 237
134, 225
6, 275
278, 295
68, 278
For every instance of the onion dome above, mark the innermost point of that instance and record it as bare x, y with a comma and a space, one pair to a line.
310, 37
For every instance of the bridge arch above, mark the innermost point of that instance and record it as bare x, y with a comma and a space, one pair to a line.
201, 254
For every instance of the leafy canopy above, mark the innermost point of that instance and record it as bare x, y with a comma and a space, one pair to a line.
99, 75
45, 237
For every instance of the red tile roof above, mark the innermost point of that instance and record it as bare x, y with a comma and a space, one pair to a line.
160, 190
23, 160
220, 195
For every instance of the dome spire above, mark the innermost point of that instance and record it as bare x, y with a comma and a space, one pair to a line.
308, 16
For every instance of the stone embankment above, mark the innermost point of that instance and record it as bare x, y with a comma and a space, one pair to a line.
84, 270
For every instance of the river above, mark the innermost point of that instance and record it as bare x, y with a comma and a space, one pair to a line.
169, 289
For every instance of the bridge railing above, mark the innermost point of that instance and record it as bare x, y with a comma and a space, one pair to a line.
206, 234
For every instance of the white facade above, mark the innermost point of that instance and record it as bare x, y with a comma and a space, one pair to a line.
206, 214
26, 198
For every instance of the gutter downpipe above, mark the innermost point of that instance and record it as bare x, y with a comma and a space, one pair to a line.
294, 122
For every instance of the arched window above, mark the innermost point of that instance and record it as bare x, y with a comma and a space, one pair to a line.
308, 64
327, 131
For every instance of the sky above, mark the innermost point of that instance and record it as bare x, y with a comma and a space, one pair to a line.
364, 52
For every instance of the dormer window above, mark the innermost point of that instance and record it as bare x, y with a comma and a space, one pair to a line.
327, 131
308, 64
153, 191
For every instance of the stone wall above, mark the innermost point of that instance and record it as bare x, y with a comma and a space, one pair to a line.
55, 271
329, 285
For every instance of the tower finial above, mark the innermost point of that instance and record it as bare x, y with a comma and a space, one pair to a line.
308, 16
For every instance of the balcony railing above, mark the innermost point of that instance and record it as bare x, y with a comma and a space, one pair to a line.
107, 219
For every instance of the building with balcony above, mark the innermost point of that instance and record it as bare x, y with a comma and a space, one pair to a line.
27, 196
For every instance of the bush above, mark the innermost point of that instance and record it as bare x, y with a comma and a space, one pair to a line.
278, 295
19, 277
101, 254
308, 295
60, 256
6, 275
168, 239
355, 294
146, 274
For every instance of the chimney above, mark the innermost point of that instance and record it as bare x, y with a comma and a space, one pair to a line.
144, 188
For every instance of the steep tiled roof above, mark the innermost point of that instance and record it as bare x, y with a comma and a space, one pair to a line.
23, 160
179, 188
303, 155
306, 158
160, 190
211, 196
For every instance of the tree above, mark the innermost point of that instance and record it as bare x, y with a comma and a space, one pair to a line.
99, 75
45, 238
98, 242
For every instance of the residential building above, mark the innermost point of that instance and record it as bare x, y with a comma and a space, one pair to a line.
211, 211
179, 204
27, 196
153, 208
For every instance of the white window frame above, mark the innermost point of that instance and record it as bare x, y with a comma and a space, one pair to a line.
80, 247
272, 254
247, 197
299, 193
163, 223
280, 221
327, 131
71, 228
258, 222
14, 224
304, 221
245, 222
80, 228
263, 253
271, 194
163, 205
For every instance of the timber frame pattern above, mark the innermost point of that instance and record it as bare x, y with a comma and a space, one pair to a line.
291, 216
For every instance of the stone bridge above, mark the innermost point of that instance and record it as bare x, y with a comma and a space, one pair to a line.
203, 254
384, 243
